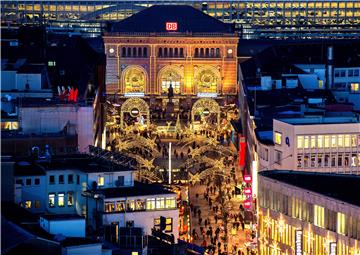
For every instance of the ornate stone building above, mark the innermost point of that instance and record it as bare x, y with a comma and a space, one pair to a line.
175, 46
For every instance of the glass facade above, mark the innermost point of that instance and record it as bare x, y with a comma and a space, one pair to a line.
255, 19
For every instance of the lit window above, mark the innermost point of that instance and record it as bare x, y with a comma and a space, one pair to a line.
28, 204
150, 204
340, 140
70, 200
170, 202
300, 140
100, 181
51, 63
321, 84
333, 141
320, 141
306, 142
109, 206
326, 141
341, 223
313, 142
61, 202
354, 87
168, 224
347, 141
134, 253
278, 139
51, 200
160, 203
319, 212
353, 140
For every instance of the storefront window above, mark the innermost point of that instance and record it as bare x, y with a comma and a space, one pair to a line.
306, 142
150, 204
170, 76
319, 212
313, 142
160, 203
170, 202
109, 206
347, 141
326, 141
300, 140
120, 206
341, 223
320, 141
333, 141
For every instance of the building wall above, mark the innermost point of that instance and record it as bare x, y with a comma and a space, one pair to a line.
111, 178
78, 206
294, 157
55, 119
90, 249
68, 228
144, 219
35, 193
152, 64
284, 209
7, 180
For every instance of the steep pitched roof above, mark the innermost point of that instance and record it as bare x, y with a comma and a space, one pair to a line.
189, 19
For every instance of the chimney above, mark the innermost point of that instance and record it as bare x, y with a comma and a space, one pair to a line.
330, 68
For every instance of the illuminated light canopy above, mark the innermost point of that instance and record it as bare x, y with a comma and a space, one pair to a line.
229, 51
111, 50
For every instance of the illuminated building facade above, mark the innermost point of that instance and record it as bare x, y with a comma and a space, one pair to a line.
308, 213
175, 46
257, 18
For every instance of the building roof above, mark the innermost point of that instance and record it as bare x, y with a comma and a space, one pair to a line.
154, 18
139, 189
62, 217
25, 168
321, 120
81, 162
342, 187
76, 241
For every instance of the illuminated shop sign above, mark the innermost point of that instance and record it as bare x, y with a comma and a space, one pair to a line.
247, 178
206, 112
203, 94
171, 26
247, 191
298, 242
134, 112
332, 249
247, 204
134, 94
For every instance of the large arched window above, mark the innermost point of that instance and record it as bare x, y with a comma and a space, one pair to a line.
134, 78
171, 76
207, 79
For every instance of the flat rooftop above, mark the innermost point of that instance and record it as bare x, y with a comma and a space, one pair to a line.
342, 187
81, 162
139, 189
320, 120
59, 217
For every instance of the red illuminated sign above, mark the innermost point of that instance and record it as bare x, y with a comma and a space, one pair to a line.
247, 178
242, 151
247, 191
171, 26
247, 204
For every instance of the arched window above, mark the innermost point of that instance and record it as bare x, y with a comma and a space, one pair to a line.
129, 52
145, 52
171, 53
212, 52
202, 52
165, 52
134, 52
217, 52
160, 52
123, 52
196, 52
207, 52
181, 52
176, 52
139, 52
134, 79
